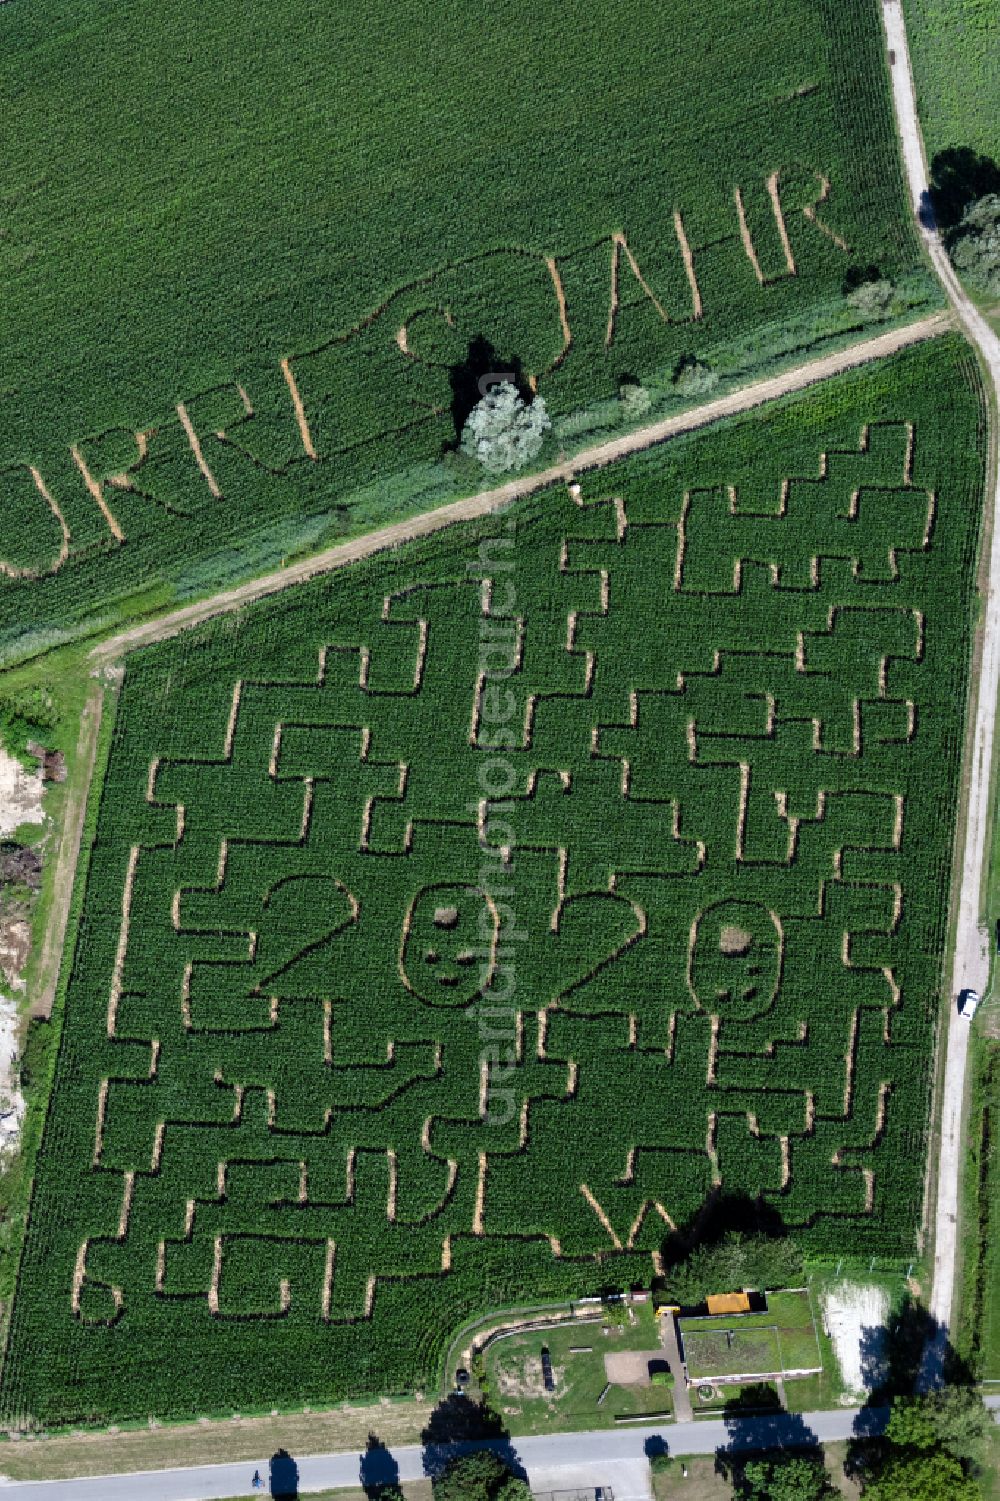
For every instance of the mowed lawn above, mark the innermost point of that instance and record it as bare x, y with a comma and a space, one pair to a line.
782, 1339
981, 1208
580, 1397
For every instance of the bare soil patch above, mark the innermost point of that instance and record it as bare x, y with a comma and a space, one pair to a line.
630, 1367
747, 237
195, 445
11, 1098
688, 259
734, 940
15, 946
854, 1316
521, 1376
53, 765
20, 866
300, 411
20, 794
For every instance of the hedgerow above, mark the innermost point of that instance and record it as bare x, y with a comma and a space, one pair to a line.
459, 924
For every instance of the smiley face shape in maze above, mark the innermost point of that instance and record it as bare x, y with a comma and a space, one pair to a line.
735, 959
448, 953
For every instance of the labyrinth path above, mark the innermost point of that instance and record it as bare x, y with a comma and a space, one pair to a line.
498, 903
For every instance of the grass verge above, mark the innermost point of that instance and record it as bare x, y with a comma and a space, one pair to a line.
126, 1450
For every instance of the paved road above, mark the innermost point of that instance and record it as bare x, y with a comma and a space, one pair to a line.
562, 1451
972, 957
616, 1453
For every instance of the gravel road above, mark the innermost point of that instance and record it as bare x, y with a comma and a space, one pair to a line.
971, 964
742, 400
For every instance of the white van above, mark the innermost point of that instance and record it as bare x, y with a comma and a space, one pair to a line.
968, 1000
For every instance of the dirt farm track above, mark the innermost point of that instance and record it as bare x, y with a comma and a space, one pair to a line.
742, 400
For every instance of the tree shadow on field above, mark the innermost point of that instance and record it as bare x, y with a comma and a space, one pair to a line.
893, 1354
720, 1215
458, 1426
482, 369
859, 276
958, 177
378, 1468
283, 1477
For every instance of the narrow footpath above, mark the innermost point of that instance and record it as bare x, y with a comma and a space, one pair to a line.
672, 1351
68, 854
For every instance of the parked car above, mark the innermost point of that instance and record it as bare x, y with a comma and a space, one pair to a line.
968, 1000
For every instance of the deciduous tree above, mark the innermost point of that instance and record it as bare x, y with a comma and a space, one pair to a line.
790, 1478
736, 1261
909, 1476
503, 431
953, 1418
480, 1477
976, 245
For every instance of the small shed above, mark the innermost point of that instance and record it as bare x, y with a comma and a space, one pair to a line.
719, 1303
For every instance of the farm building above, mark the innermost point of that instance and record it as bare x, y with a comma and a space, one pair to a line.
718, 1303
